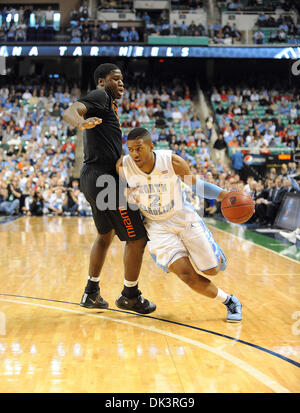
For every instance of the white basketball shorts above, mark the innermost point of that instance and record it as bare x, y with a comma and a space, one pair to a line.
180, 236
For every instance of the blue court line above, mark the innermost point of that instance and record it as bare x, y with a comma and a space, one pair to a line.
272, 353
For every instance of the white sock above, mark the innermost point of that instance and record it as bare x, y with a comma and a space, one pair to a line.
130, 283
94, 279
221, 296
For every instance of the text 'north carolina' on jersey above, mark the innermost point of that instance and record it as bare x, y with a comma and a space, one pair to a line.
160, 194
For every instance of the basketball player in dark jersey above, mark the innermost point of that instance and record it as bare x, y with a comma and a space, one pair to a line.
97, 115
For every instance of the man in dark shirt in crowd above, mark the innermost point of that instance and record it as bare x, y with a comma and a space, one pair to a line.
97, 115
37, 204
267, 210
10, 200
71, 206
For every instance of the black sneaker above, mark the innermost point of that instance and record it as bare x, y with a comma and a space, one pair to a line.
138, 304
93, 300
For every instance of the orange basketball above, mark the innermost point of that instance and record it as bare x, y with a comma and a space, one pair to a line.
237, 207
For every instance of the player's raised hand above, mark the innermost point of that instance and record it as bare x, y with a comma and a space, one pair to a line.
89, 123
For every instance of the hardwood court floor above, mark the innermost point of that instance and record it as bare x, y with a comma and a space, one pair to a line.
48, 343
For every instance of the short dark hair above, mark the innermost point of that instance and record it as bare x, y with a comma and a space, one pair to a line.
103, 70
138, 133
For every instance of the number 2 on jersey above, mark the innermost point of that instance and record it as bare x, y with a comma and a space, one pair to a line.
155, 203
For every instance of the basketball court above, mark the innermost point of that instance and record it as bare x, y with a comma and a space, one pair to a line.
49, 344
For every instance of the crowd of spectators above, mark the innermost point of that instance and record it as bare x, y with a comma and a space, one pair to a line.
37, 150
227, 34
115, 5
35, 23
257, 119
186, 5
256, 5
267, 193
19, 24
95, 32
171, 117
256, 122
284, 30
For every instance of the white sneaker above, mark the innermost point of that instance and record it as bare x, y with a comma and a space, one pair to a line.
290, 236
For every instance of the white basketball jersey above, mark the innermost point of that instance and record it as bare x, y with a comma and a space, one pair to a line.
159, 191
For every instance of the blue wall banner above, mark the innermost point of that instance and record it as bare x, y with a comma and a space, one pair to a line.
72, 50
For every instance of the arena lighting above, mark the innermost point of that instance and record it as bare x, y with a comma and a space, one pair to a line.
71, 50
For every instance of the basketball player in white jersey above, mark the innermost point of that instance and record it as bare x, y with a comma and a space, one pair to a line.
179, 241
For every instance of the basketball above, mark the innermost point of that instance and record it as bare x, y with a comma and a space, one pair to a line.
237, 207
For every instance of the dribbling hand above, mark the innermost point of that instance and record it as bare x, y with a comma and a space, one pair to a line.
89, 123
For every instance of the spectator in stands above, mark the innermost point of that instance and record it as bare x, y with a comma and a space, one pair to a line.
177, 115
283, 25
232, 5
39, 17
20, 35
124, 34
235, 33
175, 28
105, 30
133, 35
192, 28
11, 33
74, 16
219, 38
26, 14
6, 206
165, 29
4, 13
262, 20
258, 37
282, 36
183, 29
267, 209
150, 28
85, 36
49, 16
292, 39
220, 147
76, 35
36, 204
274, 37
84, 11
238, 162
70, 207
84, 208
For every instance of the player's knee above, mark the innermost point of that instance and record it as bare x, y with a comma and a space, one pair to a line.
212, 271
104, 240
139, 244
187, 276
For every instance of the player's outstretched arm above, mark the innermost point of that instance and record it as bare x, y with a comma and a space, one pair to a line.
209, 191
119, 168
131, 194
74, 115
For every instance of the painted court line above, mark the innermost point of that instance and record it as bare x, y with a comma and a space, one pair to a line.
252, 371
257, 347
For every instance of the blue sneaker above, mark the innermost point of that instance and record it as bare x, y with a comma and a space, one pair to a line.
234, 309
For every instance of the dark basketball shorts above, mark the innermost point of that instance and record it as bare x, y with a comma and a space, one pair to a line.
127, 223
